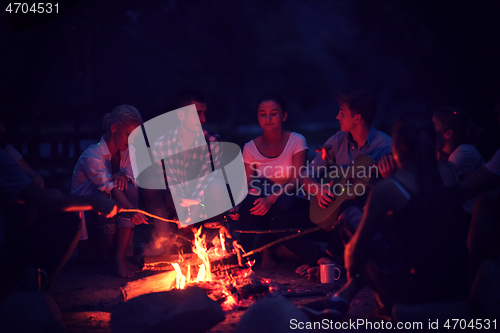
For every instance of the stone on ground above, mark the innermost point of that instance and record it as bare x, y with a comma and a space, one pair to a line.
270, 316
174, 311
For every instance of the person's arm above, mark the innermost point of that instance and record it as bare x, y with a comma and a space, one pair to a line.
262, 205
54, 201
321, 161
216, 149
34, 176
357, 250
479, 181
123, 201
250, 174
206, 174
97, 172
387, 165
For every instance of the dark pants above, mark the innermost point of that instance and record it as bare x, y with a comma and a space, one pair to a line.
284, 204
302, 246
46, 244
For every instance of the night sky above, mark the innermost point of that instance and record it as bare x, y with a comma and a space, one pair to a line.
58, 78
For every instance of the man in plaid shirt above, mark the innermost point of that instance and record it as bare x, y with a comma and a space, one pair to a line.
188, 156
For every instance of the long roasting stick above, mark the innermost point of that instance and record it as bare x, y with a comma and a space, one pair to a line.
123, 210
274, 231
282, 240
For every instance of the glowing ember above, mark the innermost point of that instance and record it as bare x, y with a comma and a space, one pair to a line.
230, 303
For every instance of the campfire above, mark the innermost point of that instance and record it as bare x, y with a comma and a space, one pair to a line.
218, 270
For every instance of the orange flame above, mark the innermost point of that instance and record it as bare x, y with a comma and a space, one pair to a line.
223, 242
180, 279
204, 273
200, 249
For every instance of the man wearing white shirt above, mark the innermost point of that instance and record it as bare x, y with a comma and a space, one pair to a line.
104, 170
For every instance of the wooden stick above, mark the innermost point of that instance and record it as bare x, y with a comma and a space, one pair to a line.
123, 210
275, 231
308, 231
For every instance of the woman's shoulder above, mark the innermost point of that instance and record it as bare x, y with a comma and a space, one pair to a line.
250, 148
297, 138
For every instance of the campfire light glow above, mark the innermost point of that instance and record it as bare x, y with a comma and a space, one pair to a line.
180, 279
232, 285
224, 283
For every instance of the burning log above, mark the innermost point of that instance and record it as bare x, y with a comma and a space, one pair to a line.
219, 272
164, 262
150, 284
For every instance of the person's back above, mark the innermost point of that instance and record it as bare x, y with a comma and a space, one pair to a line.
424, 240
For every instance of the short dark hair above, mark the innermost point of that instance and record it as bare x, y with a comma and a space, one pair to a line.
187, 96
121, 115
360, 102
455, 119
275, 98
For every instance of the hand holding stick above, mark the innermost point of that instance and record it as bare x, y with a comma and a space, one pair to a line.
124, 210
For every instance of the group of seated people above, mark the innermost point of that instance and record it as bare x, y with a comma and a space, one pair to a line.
430, 207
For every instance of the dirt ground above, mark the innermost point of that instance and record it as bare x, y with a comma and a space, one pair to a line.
86, 295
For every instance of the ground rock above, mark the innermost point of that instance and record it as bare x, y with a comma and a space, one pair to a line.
270, 316
30, 311
173, 311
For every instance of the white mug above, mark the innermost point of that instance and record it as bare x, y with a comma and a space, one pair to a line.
327, 273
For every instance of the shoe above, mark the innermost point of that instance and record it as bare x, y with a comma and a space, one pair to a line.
326, 306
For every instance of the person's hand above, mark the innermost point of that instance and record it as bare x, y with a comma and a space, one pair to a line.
121, 180
188, 202
312, 274
323, 150
234, 213
302, 270
104, 206
387, 166
139, 218
262, 205
324, 195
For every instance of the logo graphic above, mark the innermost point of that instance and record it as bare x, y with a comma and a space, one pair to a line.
170, 152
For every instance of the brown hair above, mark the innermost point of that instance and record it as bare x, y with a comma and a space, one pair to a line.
360, 102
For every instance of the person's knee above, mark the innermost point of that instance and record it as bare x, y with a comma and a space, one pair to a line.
124, 221
132, 193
